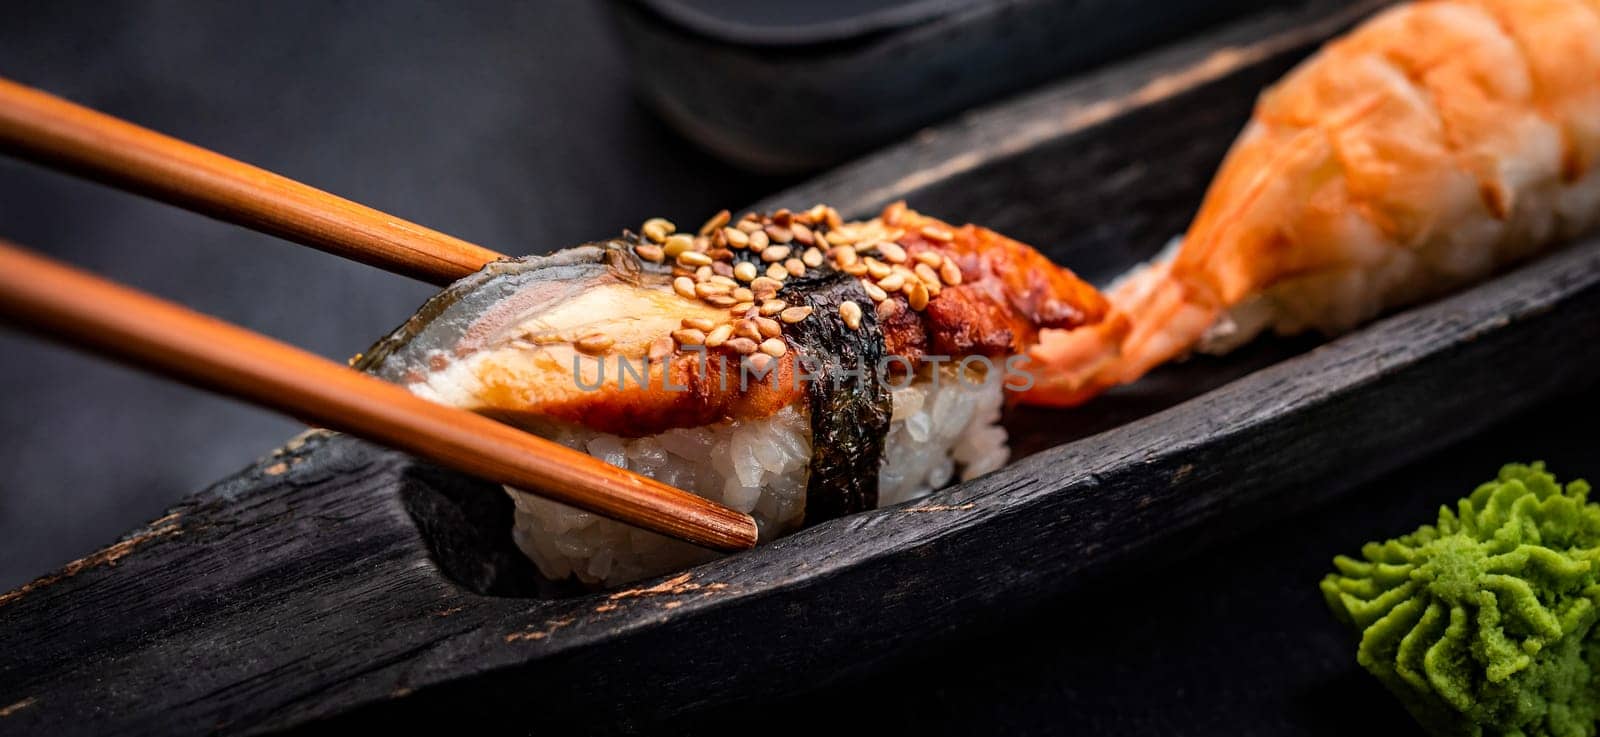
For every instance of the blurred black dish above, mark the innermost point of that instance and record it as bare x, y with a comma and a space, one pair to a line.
788, 85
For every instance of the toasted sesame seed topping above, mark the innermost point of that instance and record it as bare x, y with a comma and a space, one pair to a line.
777, 272
927, 274
677, 244
802, 234
735, 237
717, 221
937, 233
775, 253
703, 273
688, 336
845, 256
778, 234
931, 258
892, 282
795, 314
684, 286
694, 258
707, 289
742, 307
595, 343
720, 300
773, 306
719, 336
812, 258
795, 266
838, 237
917, 295
699, 323
743, 345
774, 347
743, 294
650, 253
768, 327
851, 312
748, 224
745, 271
759, 240
892, 252
657, 229
876, 268
765, 284
855, 269
722, 269
874, 291
892, 214
727, 281
950, 272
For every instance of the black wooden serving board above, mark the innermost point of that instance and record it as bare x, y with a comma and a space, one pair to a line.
337, 585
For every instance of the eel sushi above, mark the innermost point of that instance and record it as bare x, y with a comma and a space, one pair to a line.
790, 365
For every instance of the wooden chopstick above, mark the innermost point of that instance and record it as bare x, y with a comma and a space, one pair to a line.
49, 130
63, 304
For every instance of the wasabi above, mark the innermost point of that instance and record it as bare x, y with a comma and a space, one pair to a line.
1485, 623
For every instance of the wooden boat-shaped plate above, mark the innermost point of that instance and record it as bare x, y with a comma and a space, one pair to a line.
336, 584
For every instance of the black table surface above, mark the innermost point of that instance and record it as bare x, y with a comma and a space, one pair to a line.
512, 125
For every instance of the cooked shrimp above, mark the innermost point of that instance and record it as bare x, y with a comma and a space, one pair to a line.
1434, 144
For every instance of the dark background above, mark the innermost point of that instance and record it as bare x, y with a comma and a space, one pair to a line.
508, 124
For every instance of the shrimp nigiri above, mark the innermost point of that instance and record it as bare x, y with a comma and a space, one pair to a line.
1437, 142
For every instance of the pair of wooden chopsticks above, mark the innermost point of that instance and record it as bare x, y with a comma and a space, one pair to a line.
67, 305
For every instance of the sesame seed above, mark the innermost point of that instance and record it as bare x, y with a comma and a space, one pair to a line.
892, 252
802, 234
794, 314
689, 336
735, 237
773, 306
745, 271
777, 272
745, 346
595, 343
931, 258
720, 300
768, 327
876, 268
812, 258
855, 269
874, 291
795, 266
817, 212
775, 253
748, 329
917, 296
742, 307
694, 258
748, 224
727, 281
950, 272
743, 294
927, 274
891, 214
661, 348
684, 286
892, 282
703, 273
699, 323
779, 234
657, 229
722, 269
851, 312
839, 237
759, 240
650, 253
765, 284
937, 233
719, 336
677, 244
717, 221
845, 257
706, 289
701, 244
888, 308
774, 347
782, 217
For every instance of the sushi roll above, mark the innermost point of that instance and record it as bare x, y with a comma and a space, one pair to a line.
790, 365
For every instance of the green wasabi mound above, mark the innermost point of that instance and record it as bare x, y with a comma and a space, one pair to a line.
1485, 623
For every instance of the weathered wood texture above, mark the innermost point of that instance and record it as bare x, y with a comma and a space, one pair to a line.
340, 585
